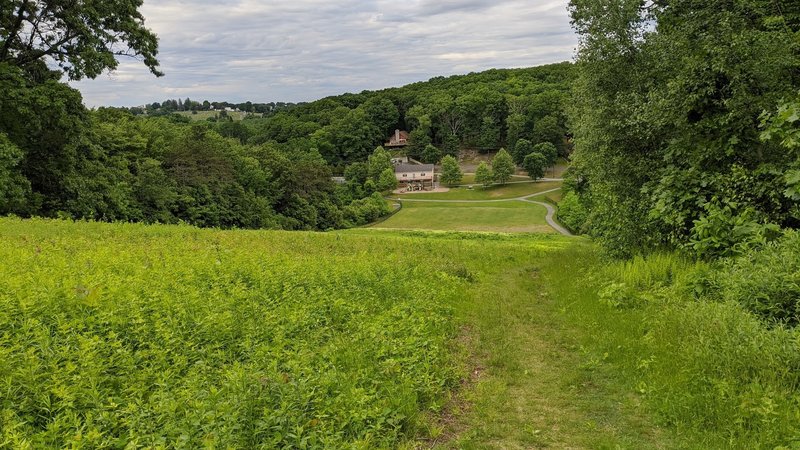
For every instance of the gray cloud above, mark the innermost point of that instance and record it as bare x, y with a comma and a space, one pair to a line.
299, 50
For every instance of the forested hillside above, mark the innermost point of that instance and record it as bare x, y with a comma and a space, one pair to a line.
59, 159
677, 141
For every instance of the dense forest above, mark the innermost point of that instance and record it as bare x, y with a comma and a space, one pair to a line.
682, 115
59, 159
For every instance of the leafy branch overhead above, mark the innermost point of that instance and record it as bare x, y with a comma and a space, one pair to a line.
83, 38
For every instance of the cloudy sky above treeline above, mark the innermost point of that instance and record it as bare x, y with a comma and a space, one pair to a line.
302, 50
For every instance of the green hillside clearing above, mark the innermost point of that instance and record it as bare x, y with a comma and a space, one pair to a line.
503, 217
115, 335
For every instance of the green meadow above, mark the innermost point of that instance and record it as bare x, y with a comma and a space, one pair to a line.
115, 335
502, 217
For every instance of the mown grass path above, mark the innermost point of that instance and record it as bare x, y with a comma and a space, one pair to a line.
534, 384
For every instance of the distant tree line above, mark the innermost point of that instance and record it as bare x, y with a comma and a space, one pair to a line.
187, 104
58, 159
273, 170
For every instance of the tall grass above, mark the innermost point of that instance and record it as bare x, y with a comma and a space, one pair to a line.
154, 336
684, 338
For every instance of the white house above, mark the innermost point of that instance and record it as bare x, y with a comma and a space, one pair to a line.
419, 175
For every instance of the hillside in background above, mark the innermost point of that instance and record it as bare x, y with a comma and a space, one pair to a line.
62, 160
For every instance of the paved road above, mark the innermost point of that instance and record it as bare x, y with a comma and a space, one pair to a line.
550, 217
551, 211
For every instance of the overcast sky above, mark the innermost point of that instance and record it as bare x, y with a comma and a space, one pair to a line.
301, 50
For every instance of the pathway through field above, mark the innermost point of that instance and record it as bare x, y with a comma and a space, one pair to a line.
534, 386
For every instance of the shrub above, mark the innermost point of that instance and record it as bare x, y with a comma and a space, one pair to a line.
766, 281
705, 362
724, 231
366, 210
572, 213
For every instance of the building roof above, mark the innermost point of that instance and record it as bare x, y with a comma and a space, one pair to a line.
406, 168
398, 139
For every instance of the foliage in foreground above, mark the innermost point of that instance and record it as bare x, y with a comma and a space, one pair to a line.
667, 114
114, 335
709, 347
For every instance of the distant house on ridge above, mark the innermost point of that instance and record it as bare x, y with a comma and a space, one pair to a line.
398, 139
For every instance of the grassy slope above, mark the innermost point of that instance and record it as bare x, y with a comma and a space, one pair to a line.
220, 338
496, 192
109, 331
356, 337
548, 387
507, 217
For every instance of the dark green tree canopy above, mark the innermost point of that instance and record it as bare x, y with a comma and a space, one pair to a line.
665, 121
535, 164
82, 37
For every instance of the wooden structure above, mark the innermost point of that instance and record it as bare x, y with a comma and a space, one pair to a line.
398, 140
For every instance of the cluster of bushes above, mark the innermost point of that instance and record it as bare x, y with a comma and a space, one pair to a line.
720, 353
572, 213
366, 210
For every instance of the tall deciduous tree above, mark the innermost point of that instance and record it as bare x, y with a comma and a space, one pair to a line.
548, 150
502, 166
387, 181
483, 174
451, 172
82, 37
431, 154
666, 110
522, 149
14, 188
535, 164
515, 125
490, 133
378, 162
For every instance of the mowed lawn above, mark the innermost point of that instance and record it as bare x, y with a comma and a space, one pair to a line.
497, 192
502, 217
